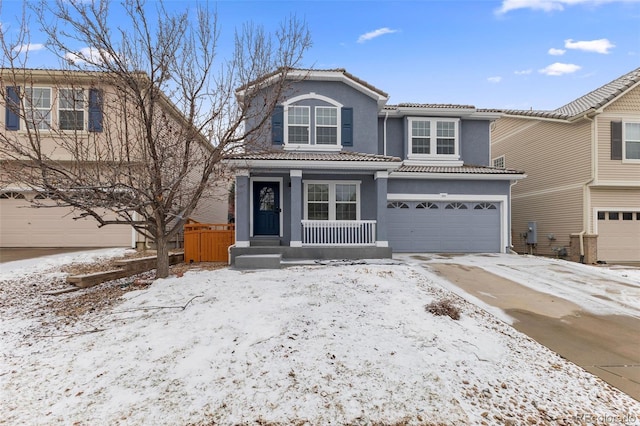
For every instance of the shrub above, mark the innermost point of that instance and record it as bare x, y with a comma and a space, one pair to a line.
444, 307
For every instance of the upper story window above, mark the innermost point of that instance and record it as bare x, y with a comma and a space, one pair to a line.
298, 125
312, 122
326, 126
499, 162
38, 107
631, 135
433, 138
71, 109
33, 107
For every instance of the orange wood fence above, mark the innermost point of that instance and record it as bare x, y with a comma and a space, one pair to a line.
208, 242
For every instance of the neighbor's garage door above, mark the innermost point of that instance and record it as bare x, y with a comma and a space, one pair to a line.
24, 226
619, 236
445, 227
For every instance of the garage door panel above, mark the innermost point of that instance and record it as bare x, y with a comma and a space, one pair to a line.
24, 226
619, 236
455, 229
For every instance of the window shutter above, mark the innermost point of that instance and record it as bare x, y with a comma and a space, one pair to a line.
95, 110
12, 119
347, 126
616, 140
277, 125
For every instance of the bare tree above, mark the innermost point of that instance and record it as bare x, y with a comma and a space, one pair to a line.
168, 108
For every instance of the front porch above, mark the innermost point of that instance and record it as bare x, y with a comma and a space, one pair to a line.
312, 205
321, 239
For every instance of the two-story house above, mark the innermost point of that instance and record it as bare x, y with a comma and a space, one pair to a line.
66, 112
582, 193
341, 174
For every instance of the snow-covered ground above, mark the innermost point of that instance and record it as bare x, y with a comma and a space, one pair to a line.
323, 344
600, 290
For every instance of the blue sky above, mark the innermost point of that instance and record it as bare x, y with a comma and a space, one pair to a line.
515, 54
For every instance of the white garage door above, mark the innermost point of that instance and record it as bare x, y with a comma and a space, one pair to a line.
24, 226
619, 236
444, 227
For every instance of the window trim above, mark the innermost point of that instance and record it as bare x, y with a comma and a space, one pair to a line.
312, 145
287, 124
29, 108
624, 142
499, 159
332, 196
316, 125
433, 139
84, 109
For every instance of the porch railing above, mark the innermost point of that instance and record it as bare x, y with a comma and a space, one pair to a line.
338, 232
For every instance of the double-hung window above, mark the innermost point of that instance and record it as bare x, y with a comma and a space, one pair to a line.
38, 107
332, 200
631, 137
298, 125
71, 109
433, 138
326, 125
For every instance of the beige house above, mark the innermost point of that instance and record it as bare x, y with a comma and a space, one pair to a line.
71, 111
582, 193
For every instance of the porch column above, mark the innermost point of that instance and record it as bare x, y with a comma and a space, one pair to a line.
243, 194
296, 208
381, 209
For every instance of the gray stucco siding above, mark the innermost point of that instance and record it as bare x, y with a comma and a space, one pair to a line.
449, 186
475, 146
365, 110
474, 139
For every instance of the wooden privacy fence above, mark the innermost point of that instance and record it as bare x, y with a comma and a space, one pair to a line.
208, 242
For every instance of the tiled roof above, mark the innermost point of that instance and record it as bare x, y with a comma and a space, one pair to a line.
314, 156
465, 169
331, 70
592, 100
429, 106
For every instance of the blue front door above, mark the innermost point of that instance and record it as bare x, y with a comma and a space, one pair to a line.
266, 208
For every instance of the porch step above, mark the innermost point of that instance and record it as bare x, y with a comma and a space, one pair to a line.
265, 243
258, 261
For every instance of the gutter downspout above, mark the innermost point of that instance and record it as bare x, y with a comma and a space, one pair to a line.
384, 133
586, 194
510, 246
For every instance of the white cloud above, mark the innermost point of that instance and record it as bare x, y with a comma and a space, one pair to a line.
559, 68
376, 33
556, 52
496, 79
598, 46
29, 47
86, 54
550, 5
523, 72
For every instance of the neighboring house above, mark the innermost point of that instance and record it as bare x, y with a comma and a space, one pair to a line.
71, 102
582, 160
343, 175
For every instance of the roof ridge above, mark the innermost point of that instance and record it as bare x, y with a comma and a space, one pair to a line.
593, 100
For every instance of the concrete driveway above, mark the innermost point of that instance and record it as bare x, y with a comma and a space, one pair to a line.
13, 254
588, 315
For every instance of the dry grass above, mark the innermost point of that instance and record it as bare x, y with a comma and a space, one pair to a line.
444, 307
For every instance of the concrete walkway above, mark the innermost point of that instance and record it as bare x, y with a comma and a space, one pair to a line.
608, 346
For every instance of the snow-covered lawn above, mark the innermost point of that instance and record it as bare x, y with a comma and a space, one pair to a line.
323, 344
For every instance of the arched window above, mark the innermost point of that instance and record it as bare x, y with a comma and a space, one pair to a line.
456, 206
11, 195
427, 205
397, 205
485, 206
